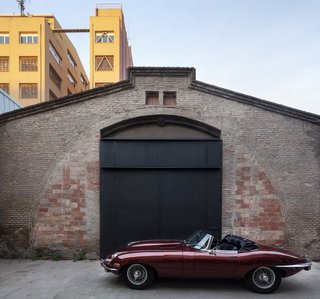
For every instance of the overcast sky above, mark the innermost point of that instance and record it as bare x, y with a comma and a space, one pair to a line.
265, 48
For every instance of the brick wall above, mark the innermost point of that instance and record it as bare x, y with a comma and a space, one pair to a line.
49, 165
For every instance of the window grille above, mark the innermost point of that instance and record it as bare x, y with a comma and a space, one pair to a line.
28, 64
5, 87
104, 63
4, 64
104, 37
28, 90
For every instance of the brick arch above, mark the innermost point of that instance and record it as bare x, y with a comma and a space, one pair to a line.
65, 212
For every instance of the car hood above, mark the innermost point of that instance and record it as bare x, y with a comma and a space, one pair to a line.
153, 245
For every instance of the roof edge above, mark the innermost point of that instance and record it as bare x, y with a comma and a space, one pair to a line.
256, 102
162, 71
64, 101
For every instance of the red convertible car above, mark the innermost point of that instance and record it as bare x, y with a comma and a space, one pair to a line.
200, 256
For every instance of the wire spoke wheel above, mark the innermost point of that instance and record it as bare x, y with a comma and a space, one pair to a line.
137, 274
263, 280
263, 277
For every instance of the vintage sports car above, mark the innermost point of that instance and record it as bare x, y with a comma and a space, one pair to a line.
200, 256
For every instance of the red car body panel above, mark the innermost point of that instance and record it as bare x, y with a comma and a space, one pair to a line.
173, 258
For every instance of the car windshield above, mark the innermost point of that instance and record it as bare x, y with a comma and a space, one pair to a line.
198, 239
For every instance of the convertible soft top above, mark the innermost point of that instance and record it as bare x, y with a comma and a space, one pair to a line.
233, 242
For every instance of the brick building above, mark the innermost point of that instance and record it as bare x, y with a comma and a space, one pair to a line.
156, 156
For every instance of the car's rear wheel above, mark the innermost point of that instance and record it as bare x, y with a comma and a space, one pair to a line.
263, 280
138, 276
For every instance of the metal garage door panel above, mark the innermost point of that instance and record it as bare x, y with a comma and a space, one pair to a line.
190, 201
183, 202
124, 153
137, 205
128, 206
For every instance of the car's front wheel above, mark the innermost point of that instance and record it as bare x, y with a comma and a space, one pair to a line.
138, 276
263, 280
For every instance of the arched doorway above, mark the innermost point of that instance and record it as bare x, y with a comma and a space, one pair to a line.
160, 177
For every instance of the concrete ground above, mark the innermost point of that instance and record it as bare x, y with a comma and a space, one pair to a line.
66, 279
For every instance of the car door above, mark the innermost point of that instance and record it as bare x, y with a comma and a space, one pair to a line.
168, 263
215, 264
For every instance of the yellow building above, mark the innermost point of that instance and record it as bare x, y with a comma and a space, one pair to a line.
110, 53
36, 63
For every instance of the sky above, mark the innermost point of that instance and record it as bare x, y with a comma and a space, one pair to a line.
269, 49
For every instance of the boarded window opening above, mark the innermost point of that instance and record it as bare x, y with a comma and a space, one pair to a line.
170, 98
152, 98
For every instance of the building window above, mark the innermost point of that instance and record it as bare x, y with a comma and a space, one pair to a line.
104, 63
5, 87
4, 38
29, 64
54, 53
71, 79
4, 64
28, 90
105, 37
71, 60
152, 98
52, 96
169, 98
56, 79
83, 80
28, 38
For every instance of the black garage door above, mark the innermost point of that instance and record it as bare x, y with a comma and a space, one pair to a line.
158, 189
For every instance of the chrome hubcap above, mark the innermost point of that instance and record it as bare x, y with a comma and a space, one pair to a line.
263, 277
137, 274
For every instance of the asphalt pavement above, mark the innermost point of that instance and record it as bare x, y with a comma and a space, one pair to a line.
21, 279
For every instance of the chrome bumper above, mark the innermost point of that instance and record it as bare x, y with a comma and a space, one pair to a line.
305, 266
107, 268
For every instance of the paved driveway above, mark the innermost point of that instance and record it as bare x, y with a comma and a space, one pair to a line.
66, 279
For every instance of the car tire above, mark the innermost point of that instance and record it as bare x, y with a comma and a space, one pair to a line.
263, 280
138, 276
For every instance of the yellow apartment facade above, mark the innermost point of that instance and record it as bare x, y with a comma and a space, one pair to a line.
38, 64
110, 53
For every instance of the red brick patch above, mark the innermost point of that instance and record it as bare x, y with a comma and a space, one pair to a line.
62, 218
256, 204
